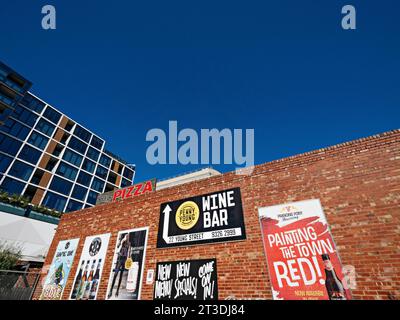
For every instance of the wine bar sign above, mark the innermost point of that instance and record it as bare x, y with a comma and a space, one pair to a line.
302, 258
186, 280
208, 218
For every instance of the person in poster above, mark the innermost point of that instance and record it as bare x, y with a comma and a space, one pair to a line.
57, 276
128, 263
88, 275
302, 259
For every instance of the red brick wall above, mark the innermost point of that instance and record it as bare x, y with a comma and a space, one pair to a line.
357, 182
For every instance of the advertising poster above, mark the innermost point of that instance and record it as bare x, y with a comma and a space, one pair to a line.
90, 267
302, 258
125, 281
186, 280
213, 217
57, 276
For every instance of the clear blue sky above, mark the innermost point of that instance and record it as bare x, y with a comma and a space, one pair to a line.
285, 68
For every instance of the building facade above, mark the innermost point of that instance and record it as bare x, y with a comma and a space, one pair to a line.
357, 184
48, 157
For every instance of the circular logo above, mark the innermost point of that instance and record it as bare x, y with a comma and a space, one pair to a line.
95, 246
187, 215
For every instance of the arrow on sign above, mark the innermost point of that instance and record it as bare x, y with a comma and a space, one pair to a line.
166, 211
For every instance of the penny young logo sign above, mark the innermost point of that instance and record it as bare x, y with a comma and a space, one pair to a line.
186, 280
212, 217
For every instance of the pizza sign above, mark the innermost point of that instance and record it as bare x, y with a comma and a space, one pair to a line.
213, 217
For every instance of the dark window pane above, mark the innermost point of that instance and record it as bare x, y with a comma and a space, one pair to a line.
32, 103
12, 186
21, 170
15, 128
54, 201
30, 154
84, 178
88, 165
67, 171
82, 133
92, 197
61, 185
38, 140
52, 115
9, 145
45, 127
105, 161
93, 154
72, 157
97, 142
73, 206
125, 183
4, 162
101, 172
79, 192
24, 115
77, 145
98, 185
128, 173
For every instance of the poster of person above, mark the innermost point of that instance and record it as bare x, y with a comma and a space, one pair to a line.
186, 280
57, 276
302, 259
90, 267
125, 281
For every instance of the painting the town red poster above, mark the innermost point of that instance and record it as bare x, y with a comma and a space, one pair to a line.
302, 259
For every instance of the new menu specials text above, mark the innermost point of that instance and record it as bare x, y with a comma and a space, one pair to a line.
207, 218
302, 258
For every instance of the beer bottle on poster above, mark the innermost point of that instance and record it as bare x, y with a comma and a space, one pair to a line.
82, 285
332, 282
77, 281
95, 282
89, 282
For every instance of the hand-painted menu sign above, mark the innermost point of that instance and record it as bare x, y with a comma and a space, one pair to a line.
128, 192
186, 280
213, 217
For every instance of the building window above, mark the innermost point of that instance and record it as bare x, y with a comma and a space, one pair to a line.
15, 129
97, 142
67, 171
30, 154
98, 185
82, 133
128, 173
21, 170
93, 154
72, 157
105, 161
77, 145
54, 201
52, 115
92, 197
12, 186
45, 127
9, 145
24, 115
88, 166
61, 185
79, 192
84, 178
32, 103
101, 172
4, 162
73, 206
125, 183
38, 140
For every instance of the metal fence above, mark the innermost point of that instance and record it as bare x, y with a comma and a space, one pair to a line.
17, 285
